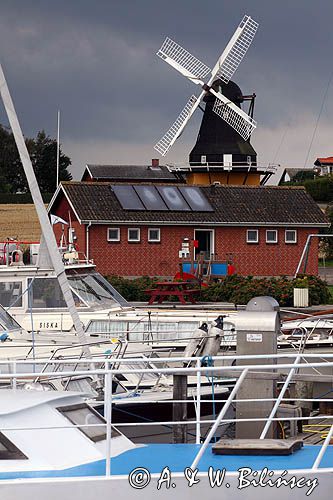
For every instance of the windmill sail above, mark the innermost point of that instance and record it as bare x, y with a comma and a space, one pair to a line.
180, 59
236, 49
234, 116
177, 127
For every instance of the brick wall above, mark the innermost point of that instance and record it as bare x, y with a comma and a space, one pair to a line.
266, 259
161, 259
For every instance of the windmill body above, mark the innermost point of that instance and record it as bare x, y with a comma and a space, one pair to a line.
220, 153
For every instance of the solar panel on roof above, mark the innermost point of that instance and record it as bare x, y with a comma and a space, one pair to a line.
196, 199
173, 198
127, 197
150, 198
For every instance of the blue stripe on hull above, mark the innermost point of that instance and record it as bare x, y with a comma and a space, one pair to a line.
155, 457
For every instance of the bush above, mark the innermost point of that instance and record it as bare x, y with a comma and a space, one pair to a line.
241, 289
132, 290
235, 289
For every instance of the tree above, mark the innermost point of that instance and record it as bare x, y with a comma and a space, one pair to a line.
8, 160
44, 160
43, 153
304, 175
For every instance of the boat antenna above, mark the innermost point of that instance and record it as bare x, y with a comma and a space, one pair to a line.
58, 146
47, 231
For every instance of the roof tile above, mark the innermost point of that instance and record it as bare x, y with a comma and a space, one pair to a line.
246, 205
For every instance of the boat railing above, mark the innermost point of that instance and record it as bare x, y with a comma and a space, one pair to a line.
50, 370
11, 251
286, 368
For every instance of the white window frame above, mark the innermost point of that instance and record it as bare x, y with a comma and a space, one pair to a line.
285, 236
272, 242
247, 236
113, 240
159, 234
133, 240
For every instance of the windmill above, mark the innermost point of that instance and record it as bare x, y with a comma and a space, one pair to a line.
196, 71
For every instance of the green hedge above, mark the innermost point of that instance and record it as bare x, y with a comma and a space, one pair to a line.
132, 290
235, 289
239, 289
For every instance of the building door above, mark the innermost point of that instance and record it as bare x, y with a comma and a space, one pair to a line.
205, 238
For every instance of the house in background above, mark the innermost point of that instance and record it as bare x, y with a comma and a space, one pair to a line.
325, 165
135, 229
131, 173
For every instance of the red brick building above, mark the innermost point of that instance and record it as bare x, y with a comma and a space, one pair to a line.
263, 228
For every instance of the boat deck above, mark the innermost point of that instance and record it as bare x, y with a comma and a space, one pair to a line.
177, 457
316, 431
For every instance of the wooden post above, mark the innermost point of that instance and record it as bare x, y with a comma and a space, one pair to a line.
179, 410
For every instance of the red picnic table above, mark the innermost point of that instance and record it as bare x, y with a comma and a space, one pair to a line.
180, 289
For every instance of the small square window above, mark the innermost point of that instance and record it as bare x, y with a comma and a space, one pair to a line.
133, 235
154, 235
271, 236
252, 236
113, 234
290, 236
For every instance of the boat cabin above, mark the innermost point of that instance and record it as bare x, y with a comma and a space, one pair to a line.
65, 432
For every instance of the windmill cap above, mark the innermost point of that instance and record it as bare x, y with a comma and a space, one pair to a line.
230, 90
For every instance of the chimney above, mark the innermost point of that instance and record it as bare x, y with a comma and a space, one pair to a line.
155, 163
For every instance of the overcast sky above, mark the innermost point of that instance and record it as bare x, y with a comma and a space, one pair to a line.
95, 61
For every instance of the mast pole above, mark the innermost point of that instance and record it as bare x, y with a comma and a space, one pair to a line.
45, 224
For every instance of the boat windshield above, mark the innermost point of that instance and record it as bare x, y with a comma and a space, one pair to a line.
7, 323
89, 290
96, 291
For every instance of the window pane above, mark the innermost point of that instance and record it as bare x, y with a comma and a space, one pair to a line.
113, 234
84, 415
291, 236
46, 293
133, 234
154, 235
92, 290
7, 322
10, 294
271, 236
252, 235
8, 450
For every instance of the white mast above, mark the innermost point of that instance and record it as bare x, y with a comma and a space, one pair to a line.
58, 147
47, 231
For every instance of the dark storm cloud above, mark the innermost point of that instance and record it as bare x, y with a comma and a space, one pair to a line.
96, 61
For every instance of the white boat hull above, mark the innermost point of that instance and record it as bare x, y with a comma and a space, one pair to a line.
119, 487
